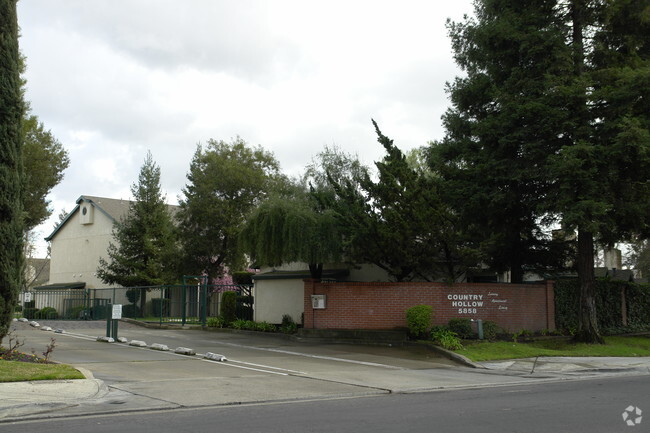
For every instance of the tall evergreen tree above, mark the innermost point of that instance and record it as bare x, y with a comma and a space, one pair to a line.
398, 221
551, 124
11, 168
226, 182
144, 249
490, 157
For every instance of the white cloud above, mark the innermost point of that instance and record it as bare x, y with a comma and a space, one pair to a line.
113, 79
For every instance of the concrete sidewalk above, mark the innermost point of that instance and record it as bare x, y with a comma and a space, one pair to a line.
584, 366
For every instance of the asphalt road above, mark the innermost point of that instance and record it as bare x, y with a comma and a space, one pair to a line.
594, 405
259, 369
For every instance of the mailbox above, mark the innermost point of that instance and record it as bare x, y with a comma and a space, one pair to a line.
318, 302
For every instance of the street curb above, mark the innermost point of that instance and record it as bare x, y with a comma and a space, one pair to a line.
457, 357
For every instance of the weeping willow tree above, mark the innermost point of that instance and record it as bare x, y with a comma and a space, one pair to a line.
285, 230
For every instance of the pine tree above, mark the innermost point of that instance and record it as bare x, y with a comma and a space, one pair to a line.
11, 169
144, 247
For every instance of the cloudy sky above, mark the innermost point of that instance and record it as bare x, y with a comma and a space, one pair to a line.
114, 78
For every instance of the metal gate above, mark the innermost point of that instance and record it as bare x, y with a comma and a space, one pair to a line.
182, 304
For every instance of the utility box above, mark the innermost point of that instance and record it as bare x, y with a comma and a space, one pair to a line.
318, 302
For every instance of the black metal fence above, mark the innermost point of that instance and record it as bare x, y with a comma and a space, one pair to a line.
183, 304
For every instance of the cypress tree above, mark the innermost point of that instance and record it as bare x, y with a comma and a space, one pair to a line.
11, 169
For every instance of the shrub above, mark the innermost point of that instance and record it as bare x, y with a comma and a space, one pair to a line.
238, 324
133, 295
130, 311
76, 313
445, 338
18, 309
160, 306
30, 313
244, 308
242, 277
288, 326
46, 313
264, 327
462, 327
418, 319
216, 322
522, 335
490, 330
229, 306
30, 304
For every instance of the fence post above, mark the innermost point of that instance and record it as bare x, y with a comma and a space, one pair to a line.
109, 324
162, 289
623, 306
183, 305
204, 305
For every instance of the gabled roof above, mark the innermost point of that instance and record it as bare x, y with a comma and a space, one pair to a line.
41, 269
114, 209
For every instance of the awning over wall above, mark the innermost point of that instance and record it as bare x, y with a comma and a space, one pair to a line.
334, 274
62, 286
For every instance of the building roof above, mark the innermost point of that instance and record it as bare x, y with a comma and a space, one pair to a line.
615, 274
38, 271
334, 274
114, 209
62, 286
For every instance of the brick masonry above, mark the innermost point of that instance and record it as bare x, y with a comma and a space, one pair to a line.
350, 305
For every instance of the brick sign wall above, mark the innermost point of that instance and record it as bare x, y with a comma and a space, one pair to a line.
347, 305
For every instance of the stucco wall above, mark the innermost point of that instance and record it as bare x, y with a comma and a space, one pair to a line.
274, 298
76, 250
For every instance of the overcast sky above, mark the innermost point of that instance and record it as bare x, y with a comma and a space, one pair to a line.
114, 78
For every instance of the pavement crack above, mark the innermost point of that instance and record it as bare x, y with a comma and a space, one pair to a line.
339, 382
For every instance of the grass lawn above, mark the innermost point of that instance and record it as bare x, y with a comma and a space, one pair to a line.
17, 371
615, 346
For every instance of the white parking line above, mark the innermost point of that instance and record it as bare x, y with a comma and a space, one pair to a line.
230, 364
266, 366
307, 355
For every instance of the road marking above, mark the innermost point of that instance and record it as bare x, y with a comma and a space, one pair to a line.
265, 349
307, 355
229, 364
266, 366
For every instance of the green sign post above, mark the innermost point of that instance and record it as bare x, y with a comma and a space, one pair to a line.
112, 320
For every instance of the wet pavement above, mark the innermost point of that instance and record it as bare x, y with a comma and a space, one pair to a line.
259, 368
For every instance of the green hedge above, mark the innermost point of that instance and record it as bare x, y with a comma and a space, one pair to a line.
229, 307
160, 307
608, 303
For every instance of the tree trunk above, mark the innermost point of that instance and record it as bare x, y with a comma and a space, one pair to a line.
588, 331
316, 270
